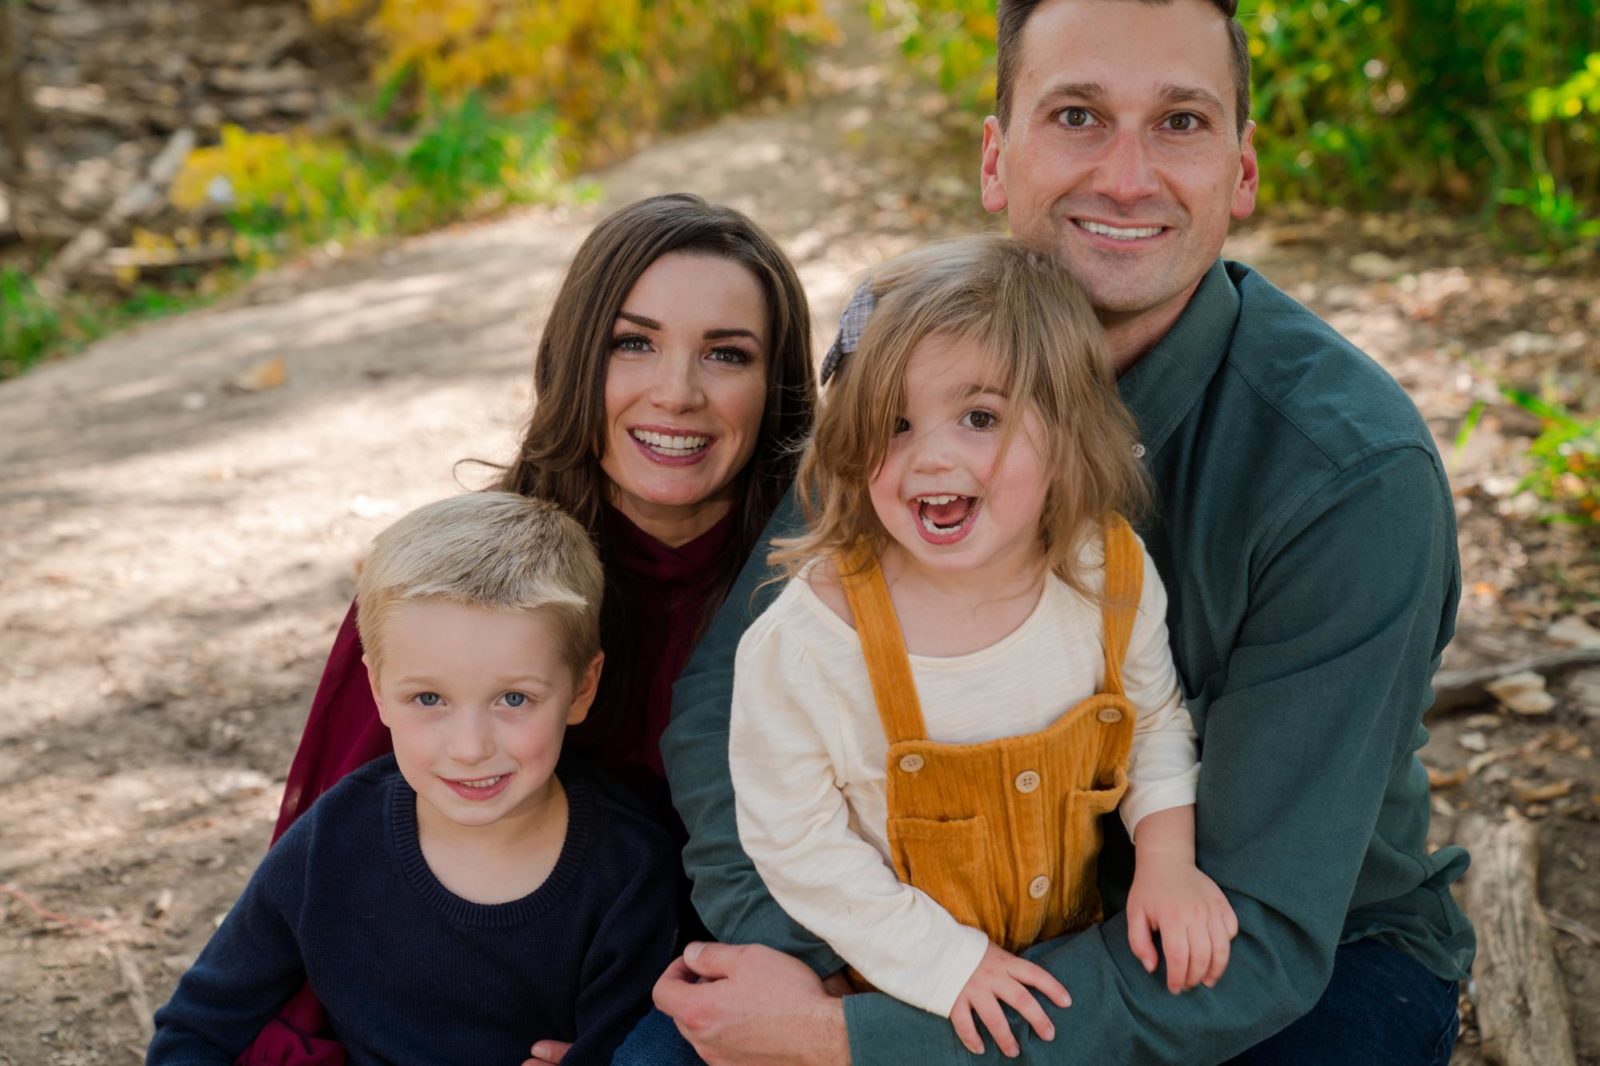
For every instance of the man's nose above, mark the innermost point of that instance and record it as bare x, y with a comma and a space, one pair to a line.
1126, 172
676, 383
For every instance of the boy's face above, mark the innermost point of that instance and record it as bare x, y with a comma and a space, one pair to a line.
477, 701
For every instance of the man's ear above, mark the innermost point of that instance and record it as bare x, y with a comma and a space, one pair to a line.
991, 172
1244, 196
583, 692
372, 683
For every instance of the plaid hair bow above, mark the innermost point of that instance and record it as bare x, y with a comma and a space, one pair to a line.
852, 324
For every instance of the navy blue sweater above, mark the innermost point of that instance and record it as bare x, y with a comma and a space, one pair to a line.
410, 972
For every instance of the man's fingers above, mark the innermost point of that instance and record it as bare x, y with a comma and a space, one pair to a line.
1140, 942
966, 1031
673, 987
1021, 1000
994, 1020
712, 960
549, 1051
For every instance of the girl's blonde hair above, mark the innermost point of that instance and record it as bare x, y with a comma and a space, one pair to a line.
497, 550
1049, 353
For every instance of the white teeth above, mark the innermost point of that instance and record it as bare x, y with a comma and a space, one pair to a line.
937, 500
482, 782
670, 443
1118, 233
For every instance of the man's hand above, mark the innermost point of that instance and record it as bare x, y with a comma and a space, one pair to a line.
547, 1053
748, 1005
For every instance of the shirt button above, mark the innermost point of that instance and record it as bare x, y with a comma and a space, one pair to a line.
1109, 715
1027, 781
911, 763
1138, 451
1039, 886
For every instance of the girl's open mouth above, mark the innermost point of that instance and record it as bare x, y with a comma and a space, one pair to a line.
944, 518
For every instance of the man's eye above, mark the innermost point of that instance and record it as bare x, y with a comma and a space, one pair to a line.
428, 699
1183, 122
1075, 116
980, 419
515, 699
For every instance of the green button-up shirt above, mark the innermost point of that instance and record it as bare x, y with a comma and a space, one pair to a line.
1306, 536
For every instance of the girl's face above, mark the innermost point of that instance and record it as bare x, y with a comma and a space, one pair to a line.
953, 498
686, 385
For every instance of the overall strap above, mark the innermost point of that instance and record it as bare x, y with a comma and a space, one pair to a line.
1124, 583
878, 628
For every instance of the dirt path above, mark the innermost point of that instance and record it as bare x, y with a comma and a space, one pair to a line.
178, 542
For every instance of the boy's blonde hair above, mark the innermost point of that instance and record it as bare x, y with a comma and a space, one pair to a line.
1049, 352
497, 550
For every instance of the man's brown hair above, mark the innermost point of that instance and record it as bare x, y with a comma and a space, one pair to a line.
1012, 18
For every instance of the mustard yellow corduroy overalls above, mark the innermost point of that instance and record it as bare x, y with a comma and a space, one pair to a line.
1005, 833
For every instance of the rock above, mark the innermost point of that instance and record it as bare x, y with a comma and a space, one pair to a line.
1575, 631
1522, 693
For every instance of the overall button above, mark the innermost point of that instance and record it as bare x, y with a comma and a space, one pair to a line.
1039, 886
911, 763
1027, 781
1109, 715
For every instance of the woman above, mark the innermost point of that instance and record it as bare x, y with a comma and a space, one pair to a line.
673, 383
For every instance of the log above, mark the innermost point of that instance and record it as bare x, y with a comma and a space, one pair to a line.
1518, 993
1453, 689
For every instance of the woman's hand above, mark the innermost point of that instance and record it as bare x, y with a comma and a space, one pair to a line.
1002, 977
547, 1053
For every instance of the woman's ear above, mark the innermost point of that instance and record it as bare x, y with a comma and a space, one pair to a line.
583, 692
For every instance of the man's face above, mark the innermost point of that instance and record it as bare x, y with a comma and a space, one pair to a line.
1121, 153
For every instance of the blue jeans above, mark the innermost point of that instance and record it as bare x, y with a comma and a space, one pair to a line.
655, 1041
1381, 1007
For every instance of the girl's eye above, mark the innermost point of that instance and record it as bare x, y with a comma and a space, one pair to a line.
1075, 116
901, 426
630, 342
980, 419
515, 699
428, 699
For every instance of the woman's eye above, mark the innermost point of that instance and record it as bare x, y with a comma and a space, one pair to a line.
735, 356
980, 419
1075, 116
630, 342
428, 699
515, 699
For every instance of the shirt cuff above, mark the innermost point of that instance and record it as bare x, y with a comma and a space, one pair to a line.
1152, 796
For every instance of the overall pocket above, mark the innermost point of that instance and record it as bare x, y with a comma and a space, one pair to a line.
1080, 852
949, 860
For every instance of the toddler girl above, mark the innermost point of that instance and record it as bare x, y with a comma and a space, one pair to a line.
970, 665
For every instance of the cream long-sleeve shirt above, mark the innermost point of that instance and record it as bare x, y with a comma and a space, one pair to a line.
807, 756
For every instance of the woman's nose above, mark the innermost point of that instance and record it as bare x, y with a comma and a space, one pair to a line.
676, 383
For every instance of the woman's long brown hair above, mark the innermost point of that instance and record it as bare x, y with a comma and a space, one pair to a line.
559, 458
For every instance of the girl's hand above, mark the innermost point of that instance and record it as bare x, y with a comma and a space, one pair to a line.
547, 1053
1171, 896
1001, 977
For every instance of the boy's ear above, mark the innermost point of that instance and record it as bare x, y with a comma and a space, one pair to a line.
372, 683
583, 692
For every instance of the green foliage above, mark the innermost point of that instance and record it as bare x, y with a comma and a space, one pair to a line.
288, 190
29, 325
1565, 459
1467, 104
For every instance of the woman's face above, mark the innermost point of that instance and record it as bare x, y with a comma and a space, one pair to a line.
686, 383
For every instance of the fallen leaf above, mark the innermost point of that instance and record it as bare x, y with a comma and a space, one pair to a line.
267, 374
1522, 693
1473, 741
1440, 779
1527, 792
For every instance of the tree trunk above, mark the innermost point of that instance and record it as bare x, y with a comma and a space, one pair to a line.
16, 119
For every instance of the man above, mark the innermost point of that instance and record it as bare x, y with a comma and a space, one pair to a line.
1306, 537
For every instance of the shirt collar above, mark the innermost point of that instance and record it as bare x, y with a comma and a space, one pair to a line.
1163, 386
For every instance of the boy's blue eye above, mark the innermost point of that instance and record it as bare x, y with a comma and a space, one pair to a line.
428, 699
515, 699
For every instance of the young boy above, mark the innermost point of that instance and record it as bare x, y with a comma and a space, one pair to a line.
464, 897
